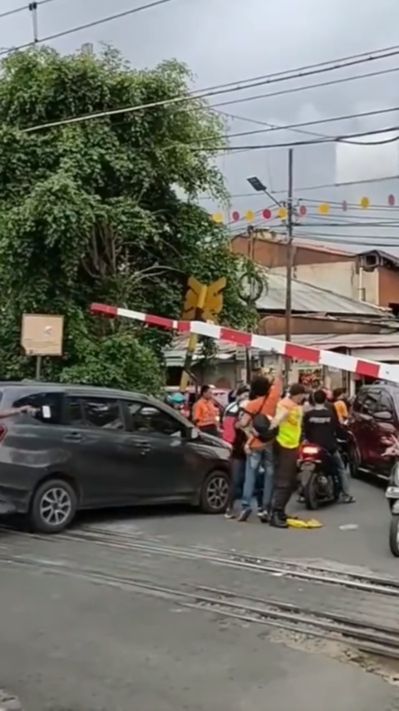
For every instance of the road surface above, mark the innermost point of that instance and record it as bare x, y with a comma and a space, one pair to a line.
174, 610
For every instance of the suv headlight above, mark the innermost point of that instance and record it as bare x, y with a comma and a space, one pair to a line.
395, 474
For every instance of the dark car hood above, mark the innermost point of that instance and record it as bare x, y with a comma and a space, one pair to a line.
212, 441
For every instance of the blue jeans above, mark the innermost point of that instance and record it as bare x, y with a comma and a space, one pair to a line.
236, 481
341, 472
255, 460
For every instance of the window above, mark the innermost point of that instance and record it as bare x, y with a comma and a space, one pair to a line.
385, 403
371, 402
74, 412
149, 419
50, 401
102, 412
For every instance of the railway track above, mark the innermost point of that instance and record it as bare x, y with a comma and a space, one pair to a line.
358, 609
372, 638
124, 541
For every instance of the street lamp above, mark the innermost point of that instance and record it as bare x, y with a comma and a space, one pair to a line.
259, 187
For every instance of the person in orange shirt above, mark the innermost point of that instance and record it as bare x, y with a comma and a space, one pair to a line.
340, 405
206, 413
263, 398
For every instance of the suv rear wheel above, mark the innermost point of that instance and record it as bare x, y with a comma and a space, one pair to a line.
53, 506
215, 492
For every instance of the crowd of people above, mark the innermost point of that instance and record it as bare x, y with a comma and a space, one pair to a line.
265, 427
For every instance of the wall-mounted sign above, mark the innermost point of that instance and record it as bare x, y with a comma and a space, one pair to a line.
42, 335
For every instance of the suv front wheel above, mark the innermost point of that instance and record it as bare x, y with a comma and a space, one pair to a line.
215, 492
53, 506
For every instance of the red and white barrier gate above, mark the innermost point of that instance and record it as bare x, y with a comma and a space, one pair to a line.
368, 368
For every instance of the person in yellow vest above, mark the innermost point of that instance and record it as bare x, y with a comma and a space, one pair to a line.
287, 445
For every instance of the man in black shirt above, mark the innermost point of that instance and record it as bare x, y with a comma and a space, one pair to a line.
320, 426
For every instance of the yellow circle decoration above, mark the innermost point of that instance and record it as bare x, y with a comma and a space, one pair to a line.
365, 203
250, 215
283, 213
217, 217
324, 208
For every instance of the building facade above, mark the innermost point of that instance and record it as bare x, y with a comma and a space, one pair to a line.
371, 276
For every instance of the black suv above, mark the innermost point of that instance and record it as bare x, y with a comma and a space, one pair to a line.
86, 448
373, 421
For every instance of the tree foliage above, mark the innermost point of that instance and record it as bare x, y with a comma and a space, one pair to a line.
92, 210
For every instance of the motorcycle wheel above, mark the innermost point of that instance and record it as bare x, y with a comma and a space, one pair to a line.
394, 535
353, 462
310, 493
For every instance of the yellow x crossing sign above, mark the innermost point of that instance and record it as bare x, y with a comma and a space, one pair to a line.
203, 301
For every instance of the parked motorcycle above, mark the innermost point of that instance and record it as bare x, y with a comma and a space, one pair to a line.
319, 481
392, 494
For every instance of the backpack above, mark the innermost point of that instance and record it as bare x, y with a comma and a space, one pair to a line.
262, 425
229, 422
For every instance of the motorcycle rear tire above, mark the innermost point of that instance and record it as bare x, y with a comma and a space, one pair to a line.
394, 535
310, 493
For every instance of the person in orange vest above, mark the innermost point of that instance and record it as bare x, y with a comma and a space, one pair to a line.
206, 413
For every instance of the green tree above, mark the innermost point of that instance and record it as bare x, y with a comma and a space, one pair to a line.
92, 210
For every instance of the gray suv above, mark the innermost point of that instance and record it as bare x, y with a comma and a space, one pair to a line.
88, 448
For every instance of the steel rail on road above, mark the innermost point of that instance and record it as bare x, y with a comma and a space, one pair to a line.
371, 638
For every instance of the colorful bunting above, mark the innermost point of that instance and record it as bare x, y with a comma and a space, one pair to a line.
281, 213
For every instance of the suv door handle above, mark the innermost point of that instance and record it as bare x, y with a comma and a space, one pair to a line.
143, 446
73, 437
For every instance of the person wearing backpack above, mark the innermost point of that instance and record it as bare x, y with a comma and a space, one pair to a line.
257, 422
231, 413
234, 435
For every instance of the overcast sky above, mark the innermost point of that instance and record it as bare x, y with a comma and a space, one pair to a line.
229, 40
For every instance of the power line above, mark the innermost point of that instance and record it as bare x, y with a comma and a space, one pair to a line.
23, 8
303, 87
336, 185
332, 119
350, 237
87, 25
385, 225
349, 240
265, 123
345, 138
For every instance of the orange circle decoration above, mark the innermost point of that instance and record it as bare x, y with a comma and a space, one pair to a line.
365, 203
283, 213
217, 217
391, 200
235, 216
250, 215
267, 214
324, 208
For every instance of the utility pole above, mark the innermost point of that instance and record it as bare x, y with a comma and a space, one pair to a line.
290, 259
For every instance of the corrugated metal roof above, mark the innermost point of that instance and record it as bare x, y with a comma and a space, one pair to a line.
307, 298
350, 340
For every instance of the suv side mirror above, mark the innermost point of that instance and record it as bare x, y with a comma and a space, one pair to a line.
192, 433
383, 416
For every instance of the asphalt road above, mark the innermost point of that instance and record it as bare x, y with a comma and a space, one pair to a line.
109, 617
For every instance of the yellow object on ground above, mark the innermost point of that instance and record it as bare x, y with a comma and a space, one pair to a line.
304, 523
